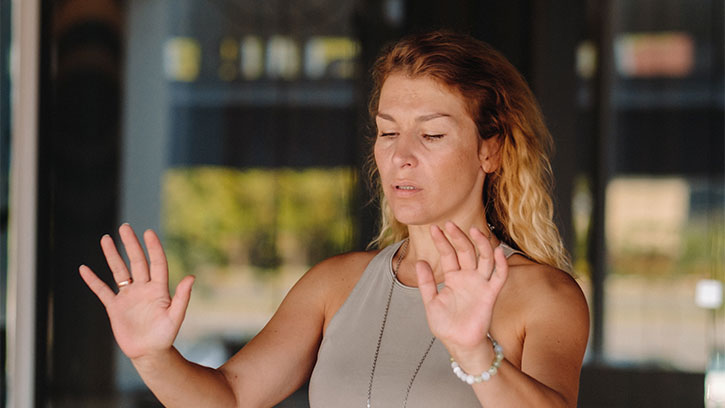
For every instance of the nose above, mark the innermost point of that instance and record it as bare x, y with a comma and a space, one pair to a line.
404, 154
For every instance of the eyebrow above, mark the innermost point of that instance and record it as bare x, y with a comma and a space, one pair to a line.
423, 118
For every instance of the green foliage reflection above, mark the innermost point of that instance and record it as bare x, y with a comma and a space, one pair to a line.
221, 219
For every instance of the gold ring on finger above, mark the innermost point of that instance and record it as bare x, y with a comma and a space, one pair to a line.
125, 283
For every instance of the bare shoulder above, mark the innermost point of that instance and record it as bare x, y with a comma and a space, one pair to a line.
340, 269
546, 287
335, 277
549, 296
548, 312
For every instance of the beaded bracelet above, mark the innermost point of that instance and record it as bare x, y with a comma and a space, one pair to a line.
486, 375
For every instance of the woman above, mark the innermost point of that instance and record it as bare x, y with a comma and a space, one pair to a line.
460, 161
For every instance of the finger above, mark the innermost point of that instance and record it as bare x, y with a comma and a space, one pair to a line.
180, 301
485, 252
102, 291
500, 272
114, 260
426, 282
136, 255
465, 251
449, 260
158, 266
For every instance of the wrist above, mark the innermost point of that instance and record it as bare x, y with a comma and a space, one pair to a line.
154, 361
475, 374
476, 359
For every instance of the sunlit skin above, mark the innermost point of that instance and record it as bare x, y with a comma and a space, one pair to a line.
432, 168
432, 163
427, 153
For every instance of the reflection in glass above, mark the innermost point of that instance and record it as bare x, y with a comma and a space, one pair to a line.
660, 232
252, 63
182, 59
247, 236
283, 58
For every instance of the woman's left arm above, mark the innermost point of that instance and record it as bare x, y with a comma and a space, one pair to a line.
554, 314
556, 331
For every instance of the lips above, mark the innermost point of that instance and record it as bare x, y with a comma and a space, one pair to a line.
405, 187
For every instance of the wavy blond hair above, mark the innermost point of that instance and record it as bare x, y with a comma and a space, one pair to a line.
517, 196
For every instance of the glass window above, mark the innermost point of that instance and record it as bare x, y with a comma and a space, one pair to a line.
246, 150
248, 236
662, 235
663, 181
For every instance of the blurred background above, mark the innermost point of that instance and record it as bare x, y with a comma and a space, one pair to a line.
237, 130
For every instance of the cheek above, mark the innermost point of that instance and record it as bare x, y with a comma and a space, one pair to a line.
464, 163
377, 155
381, 152
379, 160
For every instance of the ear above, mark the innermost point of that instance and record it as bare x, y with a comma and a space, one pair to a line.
489, 154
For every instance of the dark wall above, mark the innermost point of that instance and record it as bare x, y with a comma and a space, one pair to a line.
78, 193
4, 177
607, 387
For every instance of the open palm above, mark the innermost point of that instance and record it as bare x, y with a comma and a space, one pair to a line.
144, 318
460, 313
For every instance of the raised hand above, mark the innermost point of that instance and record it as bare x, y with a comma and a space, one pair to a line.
144, 318
460, 314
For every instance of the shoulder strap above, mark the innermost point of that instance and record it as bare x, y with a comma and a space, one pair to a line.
508, 251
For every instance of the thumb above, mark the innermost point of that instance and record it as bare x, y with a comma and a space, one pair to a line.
426, 283
180, 301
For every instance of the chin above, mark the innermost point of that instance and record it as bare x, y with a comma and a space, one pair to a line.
412, 218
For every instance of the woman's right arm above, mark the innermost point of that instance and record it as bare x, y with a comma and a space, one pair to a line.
145, 321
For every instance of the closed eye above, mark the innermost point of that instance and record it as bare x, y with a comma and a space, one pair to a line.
433, 136
388, 134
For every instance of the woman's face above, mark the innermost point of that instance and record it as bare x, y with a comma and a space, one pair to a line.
427, 152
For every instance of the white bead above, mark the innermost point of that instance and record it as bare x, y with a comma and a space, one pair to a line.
486, 375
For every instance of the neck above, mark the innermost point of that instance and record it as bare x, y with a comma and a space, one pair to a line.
421, 247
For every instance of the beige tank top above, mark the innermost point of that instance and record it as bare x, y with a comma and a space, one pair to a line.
341, 376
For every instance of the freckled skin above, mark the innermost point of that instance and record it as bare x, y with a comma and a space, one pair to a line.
445, 170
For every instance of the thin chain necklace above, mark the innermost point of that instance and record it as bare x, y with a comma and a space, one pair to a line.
403, 253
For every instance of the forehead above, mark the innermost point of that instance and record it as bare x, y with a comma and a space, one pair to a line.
421, 95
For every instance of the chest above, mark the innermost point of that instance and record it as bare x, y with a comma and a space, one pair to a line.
390, 357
